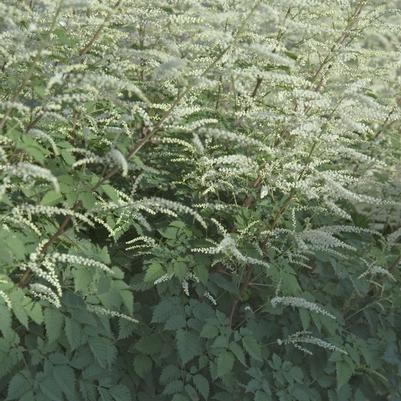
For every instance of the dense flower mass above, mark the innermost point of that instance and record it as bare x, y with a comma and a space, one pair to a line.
200, 200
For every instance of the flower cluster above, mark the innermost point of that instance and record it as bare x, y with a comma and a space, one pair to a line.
300, 303
304, 337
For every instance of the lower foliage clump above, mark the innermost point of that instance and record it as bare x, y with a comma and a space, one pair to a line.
200, 200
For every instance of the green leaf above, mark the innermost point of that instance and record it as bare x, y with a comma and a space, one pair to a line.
87, 199
83, 278
142, 365
5, 319
305, 318
344, 393
238, 352
188, 345
180, 270
193, 395
19, 301
202, 385
166, 309
104, 394
301, 393
153, 272
225, 363
175, 322
29, 396
173, 387
73, 332
50, 389
35, 312
103, 350
54, 320
221, 342
202, 273
149, 344
169, 373
65, 379
120, 392
125, 328
17, 387
67, 157
169, 233
128, 300
252, 347
88, 390
51, 198
209, 331
16, 248
110, 192
65, 37
344, 372
262, 396
32, 148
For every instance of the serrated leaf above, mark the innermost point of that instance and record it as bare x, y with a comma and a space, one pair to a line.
54, 323
180, 270
73, 332
175, 322
128, 300
193, 395
50, 198
50, 389
252, 347
209, 331
202, 273
142, 365
238, 352
19, 301
153, 272
202, 386
35, 312
65, 379
83, 278
344, 372
149, 344
262, 396
120, 392
225, 363
221, 342
344, 393
5, 320
88, 390
104, 394
166, 309
110, 192
103, 350
169, 373
29, 396
17, 387
87, 199
188, 345
125, 328
173, 387
169, 233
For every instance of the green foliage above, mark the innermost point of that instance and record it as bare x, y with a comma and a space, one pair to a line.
200, 200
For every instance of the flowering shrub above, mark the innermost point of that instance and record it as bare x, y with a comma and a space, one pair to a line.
200, 200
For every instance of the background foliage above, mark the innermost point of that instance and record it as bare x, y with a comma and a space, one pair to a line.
200, 200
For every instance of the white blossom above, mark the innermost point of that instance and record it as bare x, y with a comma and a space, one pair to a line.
301, 303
